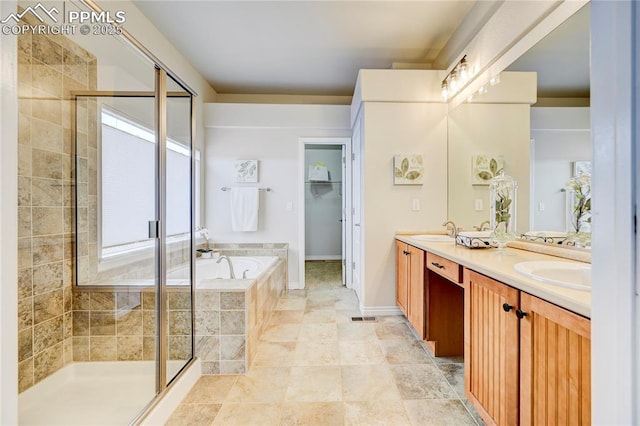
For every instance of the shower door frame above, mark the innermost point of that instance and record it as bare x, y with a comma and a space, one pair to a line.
160, 96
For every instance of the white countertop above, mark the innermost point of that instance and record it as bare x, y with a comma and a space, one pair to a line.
500, 267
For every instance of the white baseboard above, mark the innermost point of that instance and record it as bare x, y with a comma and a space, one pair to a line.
324, 257
294, 286
380, 310
163, 410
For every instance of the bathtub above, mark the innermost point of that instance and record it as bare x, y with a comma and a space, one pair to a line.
209, 272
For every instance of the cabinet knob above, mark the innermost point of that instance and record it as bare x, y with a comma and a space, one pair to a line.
520, 314
507, 307
437, 265
406, 253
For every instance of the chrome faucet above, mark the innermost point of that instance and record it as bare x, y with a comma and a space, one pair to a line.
482, 226
231, 273
451, 231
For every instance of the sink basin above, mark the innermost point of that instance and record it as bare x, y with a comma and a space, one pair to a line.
563, 274
433, 238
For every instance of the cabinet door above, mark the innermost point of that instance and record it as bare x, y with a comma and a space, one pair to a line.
491, 348
416, 289
555, 363
402, 277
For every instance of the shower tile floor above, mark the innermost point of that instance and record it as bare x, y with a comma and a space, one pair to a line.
314, 366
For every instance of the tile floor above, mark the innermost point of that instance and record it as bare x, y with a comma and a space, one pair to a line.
323, 273
314, 366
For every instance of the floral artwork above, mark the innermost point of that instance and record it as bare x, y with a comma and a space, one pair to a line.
485, 167
408, 170
246, 170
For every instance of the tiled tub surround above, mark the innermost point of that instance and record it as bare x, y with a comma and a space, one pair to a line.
50, 68
112, 325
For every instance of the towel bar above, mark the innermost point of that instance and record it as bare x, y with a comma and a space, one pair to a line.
226, 188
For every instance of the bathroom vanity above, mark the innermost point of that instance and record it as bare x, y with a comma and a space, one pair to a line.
526, 343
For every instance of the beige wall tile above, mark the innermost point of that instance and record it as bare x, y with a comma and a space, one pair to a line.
148, 348
75, 67
129, 323
46, 79
232, 300
232, 348
47, 362
24, 253
47, 334
46, 51
81, 323
46, 193
46, 109
25, 313
47, 220
25, 283
47, 277
24, 222
25, 344
103, 301
46, 135
25, 375
180, 323
232, 322
129, 348
81, 349
47, 249
47, 306
46, 164
102, 323
24, 160
103, 348
179, 347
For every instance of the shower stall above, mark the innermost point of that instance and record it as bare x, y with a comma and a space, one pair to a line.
107, 209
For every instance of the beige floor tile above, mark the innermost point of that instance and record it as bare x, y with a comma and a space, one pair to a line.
322, 303
372, 413
436, 412
404, 351
344, 316
281, 333
232, 414
391, 319
291, 304
354, 352
193, 415
454, 373
312, 414
275, 354
317, 352
421, 381
387, 331
315, 316
315, 384
368, 382
260, 384
357, 331
286, 317
318, 331
210, 390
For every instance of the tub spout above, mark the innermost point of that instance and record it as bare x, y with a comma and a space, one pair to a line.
231, 273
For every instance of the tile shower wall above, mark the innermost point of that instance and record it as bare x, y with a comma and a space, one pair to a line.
49, 69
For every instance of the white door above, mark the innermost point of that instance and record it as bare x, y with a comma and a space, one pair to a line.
356, 182
343, 217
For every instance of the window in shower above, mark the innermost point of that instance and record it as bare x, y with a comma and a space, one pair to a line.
125, 181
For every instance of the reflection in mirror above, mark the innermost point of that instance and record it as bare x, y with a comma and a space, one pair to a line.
541, 139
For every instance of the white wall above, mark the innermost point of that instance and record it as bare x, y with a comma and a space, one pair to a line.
270, 134
473, 129
561, 136
323, 205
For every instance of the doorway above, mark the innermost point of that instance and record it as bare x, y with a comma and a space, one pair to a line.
324, 200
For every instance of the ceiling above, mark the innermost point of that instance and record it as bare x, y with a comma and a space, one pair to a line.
561, 59
302, 47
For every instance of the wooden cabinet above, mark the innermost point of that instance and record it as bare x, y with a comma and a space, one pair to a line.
491, 349
555, 364
410, 284
527, 361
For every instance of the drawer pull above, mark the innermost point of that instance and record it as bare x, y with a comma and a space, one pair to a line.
406, 253
437, 265
507, 307
520, 314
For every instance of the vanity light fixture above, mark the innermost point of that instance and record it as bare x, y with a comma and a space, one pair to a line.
457, 78
494, 80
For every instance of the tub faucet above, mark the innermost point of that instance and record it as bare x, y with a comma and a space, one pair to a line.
482, 226
451, 231
231, 274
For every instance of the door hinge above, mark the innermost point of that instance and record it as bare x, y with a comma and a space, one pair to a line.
154, 228
353, 156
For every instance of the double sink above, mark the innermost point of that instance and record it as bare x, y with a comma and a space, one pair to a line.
556, 272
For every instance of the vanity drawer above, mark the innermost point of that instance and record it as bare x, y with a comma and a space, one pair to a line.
445, 267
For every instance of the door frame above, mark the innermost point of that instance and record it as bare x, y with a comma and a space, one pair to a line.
345, 142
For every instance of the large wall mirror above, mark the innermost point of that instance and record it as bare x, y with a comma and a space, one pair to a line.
542, 140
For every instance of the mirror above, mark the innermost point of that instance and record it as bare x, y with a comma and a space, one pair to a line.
542, 140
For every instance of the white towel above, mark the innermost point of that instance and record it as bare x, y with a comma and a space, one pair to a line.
318, 173
244, 209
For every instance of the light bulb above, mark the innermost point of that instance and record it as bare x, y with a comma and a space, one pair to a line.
470, 98
483, 89
464, 71
495, 80
453, 82
445, 91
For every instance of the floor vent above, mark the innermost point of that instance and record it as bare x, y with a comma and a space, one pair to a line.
363, 319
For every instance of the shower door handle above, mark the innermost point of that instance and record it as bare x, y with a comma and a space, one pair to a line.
154, 228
